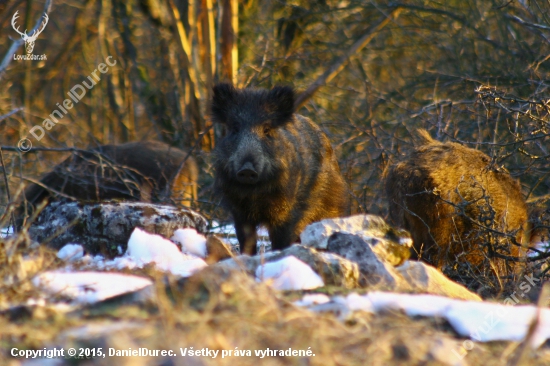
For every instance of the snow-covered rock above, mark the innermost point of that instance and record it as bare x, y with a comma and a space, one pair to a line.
412, 276
191, 242
374, 270
333, 269
391, 245
289, 273
480, 321
144, 248
71, 252
363, 268
89, 287
103, 227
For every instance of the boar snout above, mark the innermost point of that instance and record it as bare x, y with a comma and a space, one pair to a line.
247, 174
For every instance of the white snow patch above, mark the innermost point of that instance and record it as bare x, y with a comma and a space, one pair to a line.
289, 273
6, 231
262, 232
191, 242
481, 321
312, 299
228, 234
71, 252
89, 287
36, 302
145, 248
217, 228
543, 246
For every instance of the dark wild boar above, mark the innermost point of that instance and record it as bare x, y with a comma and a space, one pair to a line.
444, 194
132, 171
274, 167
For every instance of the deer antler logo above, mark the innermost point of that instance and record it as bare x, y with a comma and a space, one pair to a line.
29, 40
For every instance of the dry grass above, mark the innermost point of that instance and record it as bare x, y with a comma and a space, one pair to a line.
223, 310
220, 310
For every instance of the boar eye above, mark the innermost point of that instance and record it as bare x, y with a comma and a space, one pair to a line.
267, 130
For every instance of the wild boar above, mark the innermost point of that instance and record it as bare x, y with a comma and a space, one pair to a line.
452, 201
132, 171
274, 167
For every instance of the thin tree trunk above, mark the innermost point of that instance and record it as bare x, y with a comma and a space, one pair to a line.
230, 29
194, 95
209, 51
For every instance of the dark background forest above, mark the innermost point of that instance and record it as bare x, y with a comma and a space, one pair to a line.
370, 73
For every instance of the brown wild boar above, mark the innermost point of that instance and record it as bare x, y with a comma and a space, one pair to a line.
444, 194
131, 171
274, 167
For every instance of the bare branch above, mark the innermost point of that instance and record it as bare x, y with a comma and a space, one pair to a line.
517, 19
10, 113
341, 62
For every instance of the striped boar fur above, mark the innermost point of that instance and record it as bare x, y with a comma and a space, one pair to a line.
146, 171
444, 193
274, 167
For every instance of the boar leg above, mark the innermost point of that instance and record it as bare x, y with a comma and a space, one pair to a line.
282, 236
246, 233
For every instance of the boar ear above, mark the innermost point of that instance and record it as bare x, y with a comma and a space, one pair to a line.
281, 100
224, 96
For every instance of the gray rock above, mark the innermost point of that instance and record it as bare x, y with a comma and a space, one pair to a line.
412, 276
104, 227
390, 244
217, 249
333, 269
365, 261
374, 269
423, 278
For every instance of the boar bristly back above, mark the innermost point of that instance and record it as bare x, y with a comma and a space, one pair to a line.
454, 202
148, 171
274, 167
